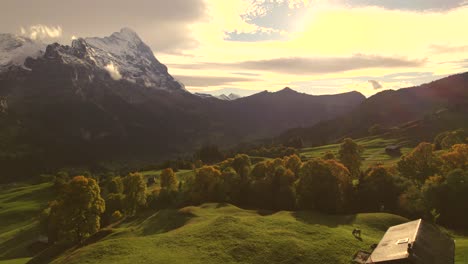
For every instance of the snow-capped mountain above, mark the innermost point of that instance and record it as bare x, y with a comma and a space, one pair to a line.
229, 97
123, 55
223, 97
15, 49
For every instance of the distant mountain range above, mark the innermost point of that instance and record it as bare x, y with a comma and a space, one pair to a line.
418, 112
106, 99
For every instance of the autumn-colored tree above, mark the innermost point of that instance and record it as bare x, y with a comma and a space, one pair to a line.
457, 158
259, 170
135, 192
419, 164
168, 180
447, 197
293, 163
116, 185
447, 139
116, 216
323, 185
232, 186
76, 213
241, 164
378, 190
411, 202
349, 155
114, 202
226, 163
207, 185
282, 190
328, 156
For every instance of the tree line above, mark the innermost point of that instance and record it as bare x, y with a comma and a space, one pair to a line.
424, 183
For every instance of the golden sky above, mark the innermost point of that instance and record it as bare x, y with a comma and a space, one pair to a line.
246, 46
330, 47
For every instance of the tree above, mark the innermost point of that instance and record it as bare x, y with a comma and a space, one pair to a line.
293, 163
349, 155
259, 170
116, 185
241, 164
419, 164
446, 196
324, 186
114, 202
447, 139
207, 185
457, 158
168, 180
378, 189
328, 156
116, 216
232, 184
76, 213
135, 192
282, 189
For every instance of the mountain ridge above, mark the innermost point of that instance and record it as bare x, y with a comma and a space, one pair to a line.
67, 109
391, 108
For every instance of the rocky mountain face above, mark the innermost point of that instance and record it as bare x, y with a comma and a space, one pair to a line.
107, 99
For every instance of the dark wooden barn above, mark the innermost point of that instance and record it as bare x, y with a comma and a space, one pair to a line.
416, 242
393, 150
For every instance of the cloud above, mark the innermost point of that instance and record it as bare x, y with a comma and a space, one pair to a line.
206, 81
113, 71
448, 49
164, 25
414, 5
42, 31
375, 84
306, 66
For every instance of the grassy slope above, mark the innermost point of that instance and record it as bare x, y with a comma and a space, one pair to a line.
19, 208
210, 233
374, 150
214, 233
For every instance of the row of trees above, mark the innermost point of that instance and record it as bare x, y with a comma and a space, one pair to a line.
424, 183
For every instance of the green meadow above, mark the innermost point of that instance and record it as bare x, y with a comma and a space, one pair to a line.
210, 233
373, 150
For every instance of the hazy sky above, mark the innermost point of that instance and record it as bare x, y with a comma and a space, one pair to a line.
245, 46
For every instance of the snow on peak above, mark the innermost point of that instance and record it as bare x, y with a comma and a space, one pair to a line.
134, 61
15, 49
127, 34
229, 97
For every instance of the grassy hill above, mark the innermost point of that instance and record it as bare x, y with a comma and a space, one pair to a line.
216, 233
373, 150
210, 233
20, 206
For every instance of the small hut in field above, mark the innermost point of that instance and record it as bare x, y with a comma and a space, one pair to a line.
393, 150
416, 242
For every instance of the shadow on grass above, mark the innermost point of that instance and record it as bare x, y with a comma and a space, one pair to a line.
43, 194
164, 221
315, 218
265, 212
17, 246
49, 254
